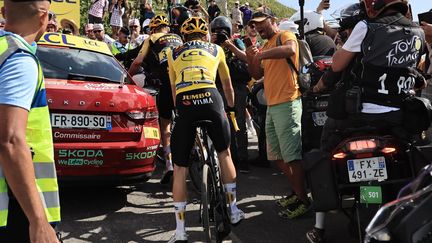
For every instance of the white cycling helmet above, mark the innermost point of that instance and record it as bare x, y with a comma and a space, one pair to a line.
312, 20
289, 25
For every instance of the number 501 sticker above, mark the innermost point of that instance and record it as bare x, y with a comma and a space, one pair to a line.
370, 194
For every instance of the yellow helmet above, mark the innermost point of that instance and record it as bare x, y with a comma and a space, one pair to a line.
157, 21
194, 25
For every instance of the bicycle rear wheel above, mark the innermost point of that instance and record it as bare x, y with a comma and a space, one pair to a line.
198, 159
207, 194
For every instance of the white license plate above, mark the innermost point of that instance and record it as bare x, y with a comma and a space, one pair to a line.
319, 118
81, 121
367, 169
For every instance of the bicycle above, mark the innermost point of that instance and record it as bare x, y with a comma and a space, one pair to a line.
214, 211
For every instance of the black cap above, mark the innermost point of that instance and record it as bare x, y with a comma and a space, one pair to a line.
261, 15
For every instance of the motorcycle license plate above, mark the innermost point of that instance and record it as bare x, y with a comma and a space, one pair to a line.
367, 169
370, 194
319, 118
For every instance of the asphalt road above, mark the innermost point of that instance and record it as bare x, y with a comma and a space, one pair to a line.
144, 213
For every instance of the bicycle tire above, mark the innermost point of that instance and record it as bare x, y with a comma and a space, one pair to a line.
207, 191
221, 218
195, 170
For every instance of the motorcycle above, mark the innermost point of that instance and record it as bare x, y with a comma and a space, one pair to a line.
408, 218
363, 172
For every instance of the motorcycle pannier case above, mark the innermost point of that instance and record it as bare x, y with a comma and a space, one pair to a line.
321, 181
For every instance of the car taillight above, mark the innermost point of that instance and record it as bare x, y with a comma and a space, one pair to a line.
151, 113
136, 114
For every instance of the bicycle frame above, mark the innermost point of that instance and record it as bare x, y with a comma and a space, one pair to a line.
214, 202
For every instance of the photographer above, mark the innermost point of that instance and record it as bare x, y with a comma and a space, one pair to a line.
221, 29
196, 9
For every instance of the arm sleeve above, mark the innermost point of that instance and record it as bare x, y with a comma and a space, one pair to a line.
17, 87
223, 67
353, 44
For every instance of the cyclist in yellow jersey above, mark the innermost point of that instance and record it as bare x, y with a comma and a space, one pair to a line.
153, 53
192, 70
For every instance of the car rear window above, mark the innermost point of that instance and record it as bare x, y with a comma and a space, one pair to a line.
60, 63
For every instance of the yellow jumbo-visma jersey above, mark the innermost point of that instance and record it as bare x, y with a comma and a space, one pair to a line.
194, 65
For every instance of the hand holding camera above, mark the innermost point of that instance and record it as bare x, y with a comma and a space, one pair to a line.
221, 37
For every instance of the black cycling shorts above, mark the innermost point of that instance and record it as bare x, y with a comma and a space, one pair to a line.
193, 106
165, 102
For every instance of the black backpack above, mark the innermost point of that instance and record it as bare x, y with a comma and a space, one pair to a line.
238, 70
305, 58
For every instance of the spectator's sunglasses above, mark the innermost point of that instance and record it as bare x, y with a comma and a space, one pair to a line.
133, 26
97, 31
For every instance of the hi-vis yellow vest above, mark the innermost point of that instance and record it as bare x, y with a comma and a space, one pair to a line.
39, 139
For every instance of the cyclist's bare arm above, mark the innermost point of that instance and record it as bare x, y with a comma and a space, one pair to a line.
226, 81
140, 58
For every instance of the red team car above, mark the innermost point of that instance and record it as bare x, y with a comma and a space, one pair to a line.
104, 126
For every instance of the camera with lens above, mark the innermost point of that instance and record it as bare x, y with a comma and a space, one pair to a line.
221, 36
